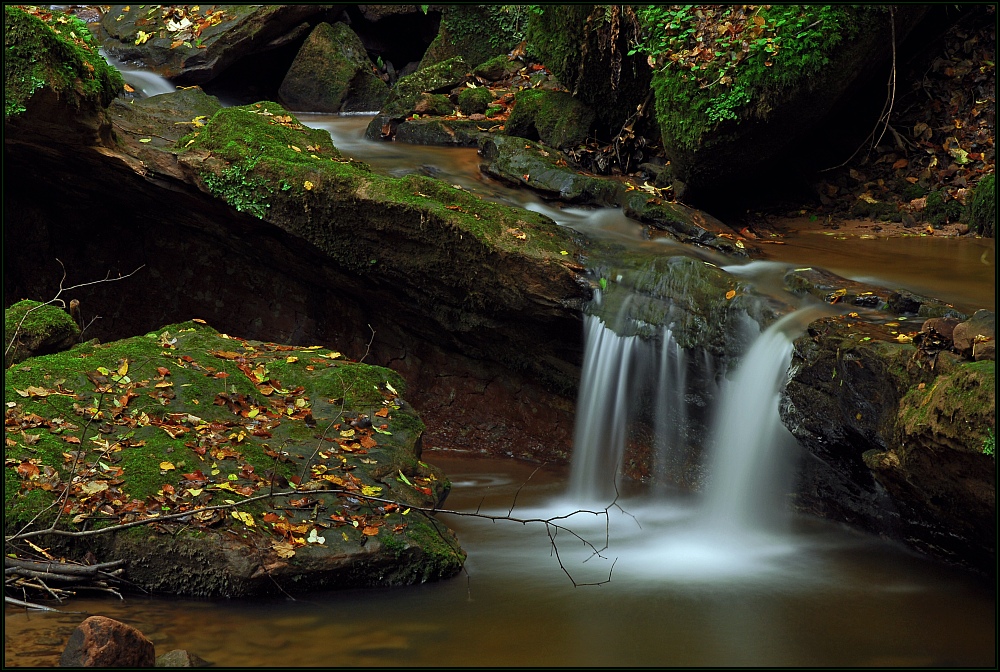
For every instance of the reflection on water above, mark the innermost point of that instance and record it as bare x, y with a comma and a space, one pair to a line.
818, 596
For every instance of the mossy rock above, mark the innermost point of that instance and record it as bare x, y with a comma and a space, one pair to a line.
441, 77
475, 33
474, 101
555, 118
56, 84
31, 328
449, 132
575, 43
433, 103
983, 209
185, 418
726, 136
332, 73
939, 212
497, 68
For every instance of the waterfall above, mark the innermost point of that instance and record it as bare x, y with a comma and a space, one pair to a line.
143, 81
602, 412
747, 474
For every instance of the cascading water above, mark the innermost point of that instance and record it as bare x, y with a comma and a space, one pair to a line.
143, 81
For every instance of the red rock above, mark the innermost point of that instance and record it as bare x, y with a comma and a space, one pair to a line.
104, 642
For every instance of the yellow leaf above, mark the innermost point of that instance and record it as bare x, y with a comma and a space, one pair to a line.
142, 36
295, 148
194, 492
730, 294
253, 412
283, 548
123, 369
291, 359
307, 185
245, 517
145, 139
166, 466
371, 490
563, 252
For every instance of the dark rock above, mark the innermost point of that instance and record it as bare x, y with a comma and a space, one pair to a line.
555, 118
244, 30
456, 132
32, 328
440, 78
526, 163
332, 73
433, 103
943, 326
686, 224
181, 658
497, 68
104, 642
587, 48
885, 456
975, 337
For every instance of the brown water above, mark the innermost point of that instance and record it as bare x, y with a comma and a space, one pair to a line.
817, 596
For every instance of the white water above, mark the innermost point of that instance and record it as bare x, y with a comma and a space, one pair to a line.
145, 83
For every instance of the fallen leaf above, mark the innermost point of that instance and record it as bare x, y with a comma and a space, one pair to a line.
166, 466
730, 294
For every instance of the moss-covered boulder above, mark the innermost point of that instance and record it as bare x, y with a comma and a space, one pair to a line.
475, 100
192, 44
735, 116
476, 33
435, 131
257, 460
438, 78
894, 438
332, 73
587, 48
56, 84
31, 328
554, 117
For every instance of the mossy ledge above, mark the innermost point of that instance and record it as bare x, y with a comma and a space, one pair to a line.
186, 418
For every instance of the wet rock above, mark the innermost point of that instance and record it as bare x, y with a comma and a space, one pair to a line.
882, 454
686, 224
526, 163
332, 73
104, 642
456, 132
555, 118
240, 31
975, 337
32, 328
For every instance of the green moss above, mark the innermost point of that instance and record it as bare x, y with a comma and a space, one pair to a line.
554, 117
794, 45
474, 101
939, 211
476, 32
43, 320
58, 53
983, 209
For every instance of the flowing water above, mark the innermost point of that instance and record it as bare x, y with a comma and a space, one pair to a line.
658, 577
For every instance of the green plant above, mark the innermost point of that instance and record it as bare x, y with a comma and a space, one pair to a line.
990, 443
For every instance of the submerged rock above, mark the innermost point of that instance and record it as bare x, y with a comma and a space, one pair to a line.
104, 642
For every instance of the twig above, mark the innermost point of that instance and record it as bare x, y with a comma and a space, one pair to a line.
31, 605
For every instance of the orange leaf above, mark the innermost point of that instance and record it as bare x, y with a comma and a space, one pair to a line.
27, 470
902, 163
382, 412
370, 530
730, 294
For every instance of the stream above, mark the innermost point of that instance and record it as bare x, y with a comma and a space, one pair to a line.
663, 580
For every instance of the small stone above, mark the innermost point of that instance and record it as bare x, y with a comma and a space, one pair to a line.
477, 117
104, 642
181, 658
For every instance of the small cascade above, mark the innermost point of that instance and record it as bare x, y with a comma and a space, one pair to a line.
602, 412
746, 474
671, 408
145, 83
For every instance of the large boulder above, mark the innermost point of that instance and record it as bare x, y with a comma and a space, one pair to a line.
199, 417
56, 85
554, 117
332, 73
587, 48
738, 126
408, 91
476, 33
894, 440
194, 44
